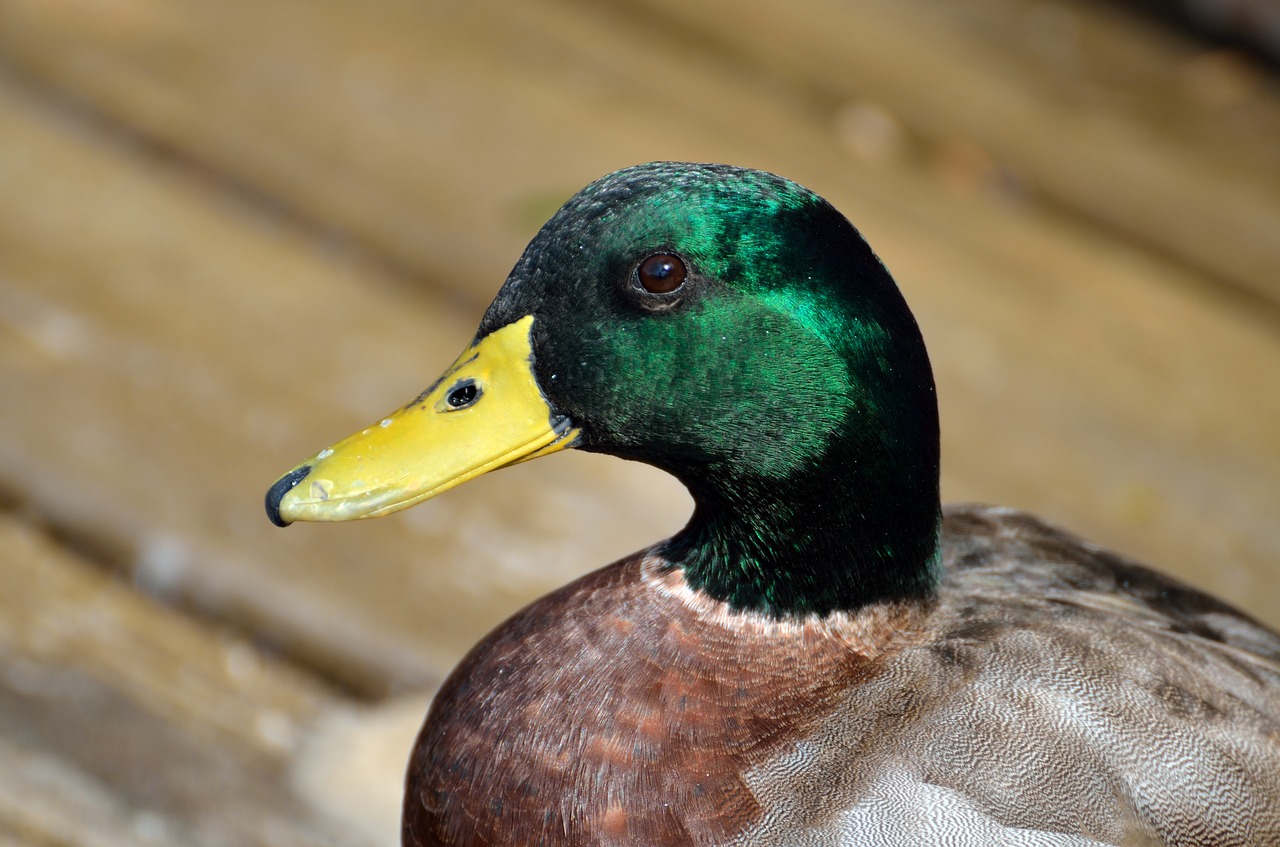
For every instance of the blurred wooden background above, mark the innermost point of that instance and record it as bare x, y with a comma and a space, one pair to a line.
232, 232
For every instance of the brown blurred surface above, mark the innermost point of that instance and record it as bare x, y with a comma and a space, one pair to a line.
232, 232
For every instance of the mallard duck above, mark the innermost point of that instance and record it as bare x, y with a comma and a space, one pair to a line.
823, 655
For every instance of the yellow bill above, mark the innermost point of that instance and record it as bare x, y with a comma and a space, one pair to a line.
484, 413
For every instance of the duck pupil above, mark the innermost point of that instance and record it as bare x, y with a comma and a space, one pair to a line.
661, 273
463, 395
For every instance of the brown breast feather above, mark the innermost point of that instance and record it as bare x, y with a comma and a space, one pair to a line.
624, 709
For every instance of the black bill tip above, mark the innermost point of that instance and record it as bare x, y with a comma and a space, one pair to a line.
282, 487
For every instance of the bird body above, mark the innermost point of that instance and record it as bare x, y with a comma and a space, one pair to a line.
823, 655
1052, 694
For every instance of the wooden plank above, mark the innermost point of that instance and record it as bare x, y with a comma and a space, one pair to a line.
339, 109
211, 346
122, 723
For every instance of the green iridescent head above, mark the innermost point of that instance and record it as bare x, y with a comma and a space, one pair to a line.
784, 381
726, 325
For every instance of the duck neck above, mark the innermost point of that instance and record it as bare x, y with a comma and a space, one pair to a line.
815, 543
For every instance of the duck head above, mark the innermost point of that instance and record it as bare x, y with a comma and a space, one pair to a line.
725, 325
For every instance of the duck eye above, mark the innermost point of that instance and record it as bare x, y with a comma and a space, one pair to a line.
661, 273
462, 395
